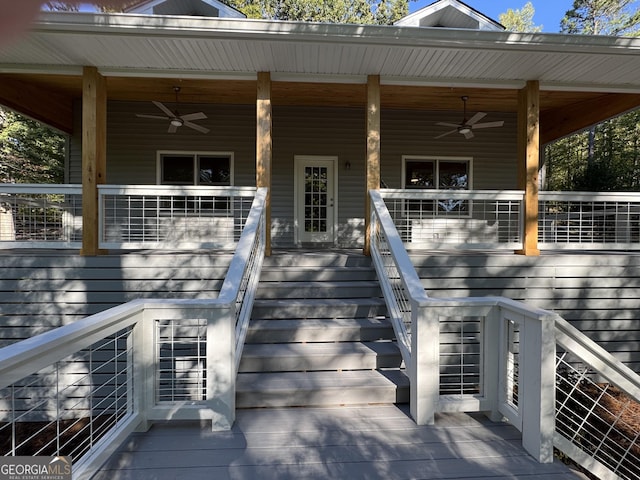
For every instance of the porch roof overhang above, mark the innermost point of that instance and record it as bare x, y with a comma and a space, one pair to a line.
583, 79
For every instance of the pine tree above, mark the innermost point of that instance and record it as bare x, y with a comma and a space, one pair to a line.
520, 20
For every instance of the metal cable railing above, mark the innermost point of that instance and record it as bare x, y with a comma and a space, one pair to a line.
81, 389
497, 355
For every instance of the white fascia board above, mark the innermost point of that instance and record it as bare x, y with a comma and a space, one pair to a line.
303, 32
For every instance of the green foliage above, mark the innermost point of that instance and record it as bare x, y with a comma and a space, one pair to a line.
382, 12
29, 151
520, 20
602, 17
606, 157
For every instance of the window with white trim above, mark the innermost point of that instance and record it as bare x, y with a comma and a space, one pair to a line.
196, 168
442, 173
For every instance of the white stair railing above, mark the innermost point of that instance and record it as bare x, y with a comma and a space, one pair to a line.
81, 389
496, 355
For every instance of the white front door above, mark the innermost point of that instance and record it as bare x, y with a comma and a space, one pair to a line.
315, 199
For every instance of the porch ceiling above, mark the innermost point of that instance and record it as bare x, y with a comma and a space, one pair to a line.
583, 79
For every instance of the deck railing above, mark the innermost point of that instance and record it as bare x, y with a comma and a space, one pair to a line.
81, 389
587, 220
456, 218
40, 216
496, 355
170, 216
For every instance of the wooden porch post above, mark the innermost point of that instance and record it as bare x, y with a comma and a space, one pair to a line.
264, 147
529, 162
94, 155
373, 152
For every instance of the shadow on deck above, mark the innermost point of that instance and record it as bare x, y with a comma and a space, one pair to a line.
368, 442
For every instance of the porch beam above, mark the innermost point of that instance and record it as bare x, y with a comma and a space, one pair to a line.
94, 155
264, 147
373, 152
559, 122
53, 109
529, 162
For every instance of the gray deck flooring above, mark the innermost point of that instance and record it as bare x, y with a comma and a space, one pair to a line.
369, 442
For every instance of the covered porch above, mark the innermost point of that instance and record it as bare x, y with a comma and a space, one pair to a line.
360, 123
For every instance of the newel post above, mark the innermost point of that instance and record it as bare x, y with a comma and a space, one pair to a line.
538, 387
94, 155
425, 364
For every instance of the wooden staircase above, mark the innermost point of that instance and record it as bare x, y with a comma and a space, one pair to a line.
318, 335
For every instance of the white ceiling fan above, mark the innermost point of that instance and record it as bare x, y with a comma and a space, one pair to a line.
175, 119
466, 127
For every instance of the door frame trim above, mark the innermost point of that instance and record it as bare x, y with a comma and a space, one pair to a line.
298, 160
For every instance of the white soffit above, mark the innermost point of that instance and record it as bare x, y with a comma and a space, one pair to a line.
193, 46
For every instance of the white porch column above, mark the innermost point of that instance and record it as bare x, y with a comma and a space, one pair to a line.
373, 152
529, 162
94, 155
264, 148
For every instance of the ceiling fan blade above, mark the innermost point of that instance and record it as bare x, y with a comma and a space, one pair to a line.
489, 124
445, 134
468, 134
196, 127
193, 116
476, 118
445, 124
172, 128
155, 117
161, 106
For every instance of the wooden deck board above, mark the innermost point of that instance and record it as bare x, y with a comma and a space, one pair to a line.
369, 442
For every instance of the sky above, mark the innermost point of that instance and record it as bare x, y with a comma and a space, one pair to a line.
548, 13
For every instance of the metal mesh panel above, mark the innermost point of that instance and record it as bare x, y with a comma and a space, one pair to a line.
41, 217
583, 220
440, 218
181, 359
597, 417
65, 408
461, 356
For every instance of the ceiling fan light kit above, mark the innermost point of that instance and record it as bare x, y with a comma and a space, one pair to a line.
466, 127
175, 119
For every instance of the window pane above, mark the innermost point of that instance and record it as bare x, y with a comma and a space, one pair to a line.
454, 175
420, 174
215, 171
177, 169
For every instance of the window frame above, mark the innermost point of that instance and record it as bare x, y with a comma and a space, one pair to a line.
437, 160
160, 154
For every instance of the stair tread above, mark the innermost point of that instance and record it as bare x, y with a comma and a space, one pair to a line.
286, 381
316, 323
320, 349
319, 301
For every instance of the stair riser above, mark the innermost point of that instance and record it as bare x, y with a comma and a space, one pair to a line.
355, 334
322, 259
279, 292
319, 363
324, 397
317, 311
319, 274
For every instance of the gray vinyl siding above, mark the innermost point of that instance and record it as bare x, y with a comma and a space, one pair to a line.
133, 144
598, 293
